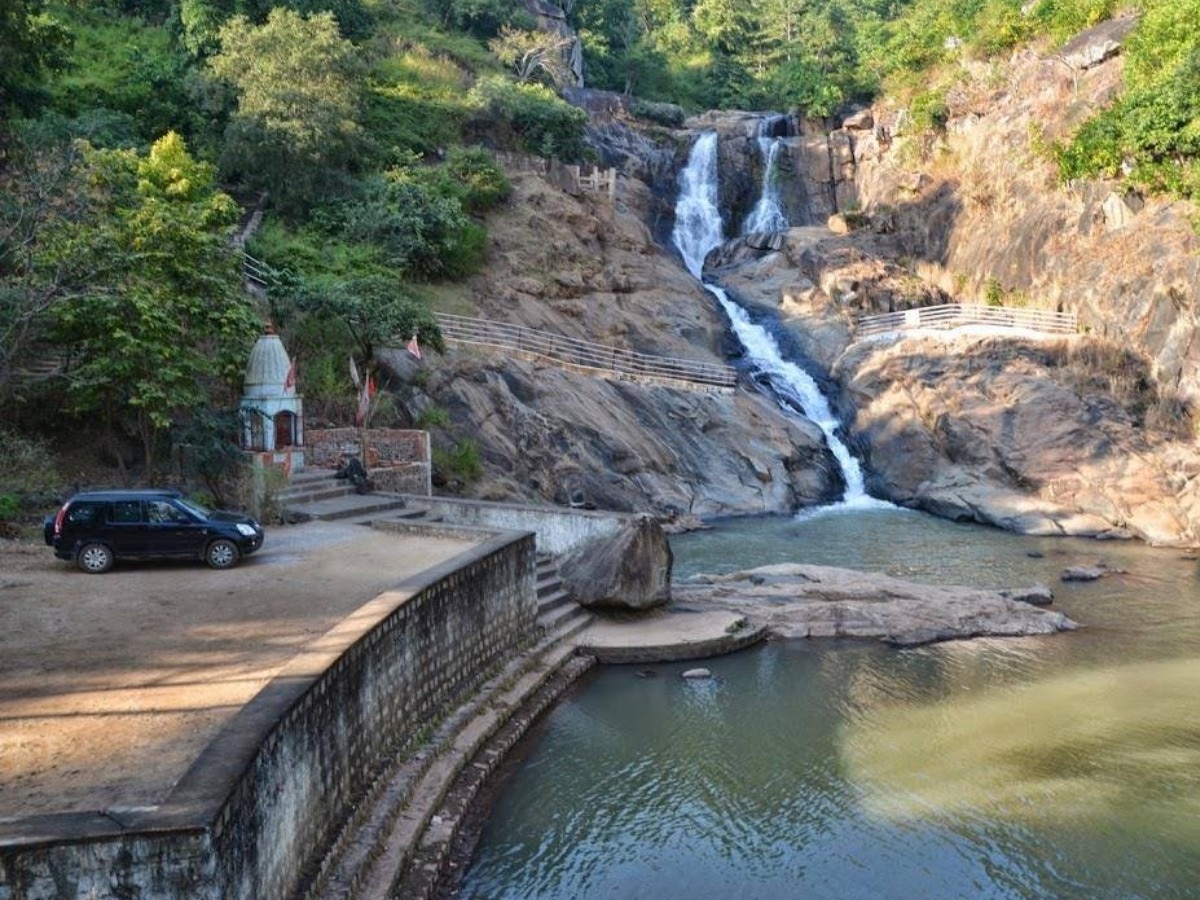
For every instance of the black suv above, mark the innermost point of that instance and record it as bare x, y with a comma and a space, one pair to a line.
96, 528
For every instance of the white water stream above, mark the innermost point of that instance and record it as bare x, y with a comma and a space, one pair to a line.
697, 231
768, 214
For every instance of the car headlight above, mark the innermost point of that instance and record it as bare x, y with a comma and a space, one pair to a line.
247, 530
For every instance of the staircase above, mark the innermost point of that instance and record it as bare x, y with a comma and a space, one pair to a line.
559, 616
316, 494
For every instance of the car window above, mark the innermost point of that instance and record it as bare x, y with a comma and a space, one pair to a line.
195, 508
84, 513
127, 512
164, 512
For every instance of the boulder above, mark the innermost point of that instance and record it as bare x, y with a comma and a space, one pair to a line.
1037, 594
629, 570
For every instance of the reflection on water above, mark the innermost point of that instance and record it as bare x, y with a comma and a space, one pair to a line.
1066, 766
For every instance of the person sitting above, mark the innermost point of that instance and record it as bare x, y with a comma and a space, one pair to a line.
351, 469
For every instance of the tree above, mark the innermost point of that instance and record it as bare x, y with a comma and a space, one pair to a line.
31, 43
531, 52
150, 304
296, 126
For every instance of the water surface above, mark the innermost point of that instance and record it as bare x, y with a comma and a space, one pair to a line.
1061, 766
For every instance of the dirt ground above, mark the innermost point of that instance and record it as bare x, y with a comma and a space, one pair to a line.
111, 685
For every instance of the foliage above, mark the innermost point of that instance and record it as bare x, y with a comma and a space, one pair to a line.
928, 111
296, 126
470, 176
538, 120
126, 66
416, 101
416, 230
372, 312
533, 53
32, 43
460, 461
431, 418
667, 114
207, 447
150, 292
27, 468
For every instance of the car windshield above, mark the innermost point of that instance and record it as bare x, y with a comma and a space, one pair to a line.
194, 508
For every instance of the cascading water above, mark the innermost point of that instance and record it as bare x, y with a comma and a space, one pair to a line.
768, 214
697, 231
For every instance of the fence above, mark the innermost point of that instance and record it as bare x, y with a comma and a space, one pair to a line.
955, 316
582, 356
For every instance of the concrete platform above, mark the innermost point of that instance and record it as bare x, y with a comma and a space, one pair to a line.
667, 635
112, 685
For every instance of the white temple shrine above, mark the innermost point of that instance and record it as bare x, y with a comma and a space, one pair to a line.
272, 411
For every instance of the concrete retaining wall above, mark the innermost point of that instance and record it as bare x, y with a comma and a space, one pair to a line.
255, 813
558, 529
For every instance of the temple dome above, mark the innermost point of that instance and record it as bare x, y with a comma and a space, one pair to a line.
267, 369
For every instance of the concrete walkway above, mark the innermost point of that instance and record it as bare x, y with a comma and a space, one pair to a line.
667, 635
111, 685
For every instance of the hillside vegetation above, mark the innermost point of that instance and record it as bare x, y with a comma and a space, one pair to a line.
137, 135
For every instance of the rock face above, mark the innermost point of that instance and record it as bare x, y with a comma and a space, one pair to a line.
630, 570
579, 267
797, 601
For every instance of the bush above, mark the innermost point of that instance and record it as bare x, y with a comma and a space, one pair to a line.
462, 461
538, 120
471, 176
666, 114
928, 111
27, 465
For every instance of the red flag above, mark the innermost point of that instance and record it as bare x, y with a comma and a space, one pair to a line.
413, 347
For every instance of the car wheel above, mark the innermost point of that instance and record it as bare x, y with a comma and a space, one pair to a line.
222, 554
95, 559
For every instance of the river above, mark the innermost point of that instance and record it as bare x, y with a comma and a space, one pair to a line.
1060, 766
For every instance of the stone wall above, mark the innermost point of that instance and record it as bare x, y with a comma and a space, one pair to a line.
558, 529
262, 804
398, 459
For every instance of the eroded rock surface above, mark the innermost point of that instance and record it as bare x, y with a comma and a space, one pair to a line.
797, 601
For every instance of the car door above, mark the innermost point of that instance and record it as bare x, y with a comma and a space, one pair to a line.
173, 531
126, 528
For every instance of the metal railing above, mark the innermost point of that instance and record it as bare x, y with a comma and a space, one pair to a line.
597, 359
955, 316
257, 271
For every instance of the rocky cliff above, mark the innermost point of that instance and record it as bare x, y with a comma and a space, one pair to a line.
582, 267
1090, 435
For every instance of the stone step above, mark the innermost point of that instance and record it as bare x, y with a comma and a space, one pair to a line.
309, 476
350, 506
562, 615
547, 585
392, 515
553, 601
398, 826
293, 496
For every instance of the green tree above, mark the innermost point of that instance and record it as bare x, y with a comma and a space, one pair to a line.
295, 130
150, 308
32, 43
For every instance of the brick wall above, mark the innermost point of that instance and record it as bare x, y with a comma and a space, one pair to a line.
258, 809
386, 446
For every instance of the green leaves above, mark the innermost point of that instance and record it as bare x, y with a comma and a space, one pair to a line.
152, 308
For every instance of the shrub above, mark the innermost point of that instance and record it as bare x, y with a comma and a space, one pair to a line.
538, 120
27, 465
928, 110
461, 461
667, 114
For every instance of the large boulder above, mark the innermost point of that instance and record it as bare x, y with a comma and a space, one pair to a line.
802, 601
628, 570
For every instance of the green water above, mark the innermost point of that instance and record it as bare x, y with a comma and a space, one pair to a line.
1063, 766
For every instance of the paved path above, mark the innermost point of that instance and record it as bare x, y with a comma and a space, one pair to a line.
111, 685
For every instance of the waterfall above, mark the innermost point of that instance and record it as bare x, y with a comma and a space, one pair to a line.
767, 214
697, 231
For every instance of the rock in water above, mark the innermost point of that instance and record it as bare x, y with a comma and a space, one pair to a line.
819, 601
697, 673
1082, 573
629, 570
1038, 594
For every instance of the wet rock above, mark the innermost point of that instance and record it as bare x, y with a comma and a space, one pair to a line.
818, 601
697, 673
1037, 594
1083, 573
